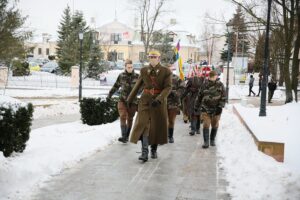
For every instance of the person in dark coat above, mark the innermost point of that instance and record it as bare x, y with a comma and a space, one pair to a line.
259, 84
151, 123
124, 84
272, 85
191, 91
211, 100
174, 103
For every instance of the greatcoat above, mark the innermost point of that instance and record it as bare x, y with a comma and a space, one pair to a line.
152, 121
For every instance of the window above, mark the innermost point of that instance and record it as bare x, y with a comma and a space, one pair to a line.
40, 51
115, 37
47, 51
120, 56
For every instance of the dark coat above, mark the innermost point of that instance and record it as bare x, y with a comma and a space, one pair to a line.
150, 120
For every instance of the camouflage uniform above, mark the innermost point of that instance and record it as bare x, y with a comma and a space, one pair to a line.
190, 94
211, 100
173, 104
124, 84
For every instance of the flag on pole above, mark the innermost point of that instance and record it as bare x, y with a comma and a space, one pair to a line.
179, 61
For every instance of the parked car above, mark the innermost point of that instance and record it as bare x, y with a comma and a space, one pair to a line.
51, 67
137, 66
120, 65
33, 66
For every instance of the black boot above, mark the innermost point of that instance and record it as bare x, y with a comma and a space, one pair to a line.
213, 134
154, 151
198, 126
145, 151
127, 134
124, 132
193, 126
171, 139
206, 138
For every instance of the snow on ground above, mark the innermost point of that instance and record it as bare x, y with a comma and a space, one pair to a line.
250, 173
49, 150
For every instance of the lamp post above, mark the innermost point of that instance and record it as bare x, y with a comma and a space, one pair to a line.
262, 111
228, 60
80, 65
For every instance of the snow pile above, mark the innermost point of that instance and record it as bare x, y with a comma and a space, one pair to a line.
58, 109
250, 173
9, 102
49, 150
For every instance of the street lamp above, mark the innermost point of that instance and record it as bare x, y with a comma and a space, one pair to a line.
262, 111
229, 30
80, 65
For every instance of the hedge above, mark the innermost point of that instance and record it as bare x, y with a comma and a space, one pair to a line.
98, 111
14, 128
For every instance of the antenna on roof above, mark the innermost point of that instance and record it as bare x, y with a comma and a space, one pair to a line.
116, 10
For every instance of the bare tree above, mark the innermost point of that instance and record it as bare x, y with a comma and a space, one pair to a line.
150, 11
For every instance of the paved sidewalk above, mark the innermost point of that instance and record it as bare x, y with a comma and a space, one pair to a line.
183, 171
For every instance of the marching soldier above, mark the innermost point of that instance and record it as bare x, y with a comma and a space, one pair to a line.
125, 82
191, 91
211, 100
174, 103
151, 124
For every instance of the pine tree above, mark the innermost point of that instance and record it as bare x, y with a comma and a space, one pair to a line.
11, 34
259, 53
224, 53
162, 42
94, 67
68, 43
239, 43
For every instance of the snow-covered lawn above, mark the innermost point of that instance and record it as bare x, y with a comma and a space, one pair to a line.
250, 173
49, 150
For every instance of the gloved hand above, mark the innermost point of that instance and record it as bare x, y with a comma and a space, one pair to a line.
218, 110
196, 110
155, 103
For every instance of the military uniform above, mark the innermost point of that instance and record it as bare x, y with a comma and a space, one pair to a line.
151, 124
211, 100
191, 91
124, 84
174, 103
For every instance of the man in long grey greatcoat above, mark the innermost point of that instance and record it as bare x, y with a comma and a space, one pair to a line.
151, 123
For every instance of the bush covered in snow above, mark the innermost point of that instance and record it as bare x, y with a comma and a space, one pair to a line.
15, 122
98, 111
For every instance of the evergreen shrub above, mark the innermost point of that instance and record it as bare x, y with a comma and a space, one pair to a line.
98, 111
15, 125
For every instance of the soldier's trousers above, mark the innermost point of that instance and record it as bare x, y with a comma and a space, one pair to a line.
210, 120
172, 116
126, 114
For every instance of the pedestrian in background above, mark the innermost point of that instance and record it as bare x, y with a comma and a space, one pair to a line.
174, 103
259, 84
272, 85
251, 82
151, 124
124, 84
211, 100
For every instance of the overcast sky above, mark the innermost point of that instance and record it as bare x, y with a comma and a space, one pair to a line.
44, 15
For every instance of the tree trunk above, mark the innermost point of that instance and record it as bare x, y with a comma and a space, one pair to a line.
295, 69
281, 69
287, 79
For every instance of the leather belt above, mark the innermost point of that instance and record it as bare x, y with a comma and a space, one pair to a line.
152, 91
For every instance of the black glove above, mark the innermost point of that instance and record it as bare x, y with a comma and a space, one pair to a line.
155, 103
218, 110
195, 110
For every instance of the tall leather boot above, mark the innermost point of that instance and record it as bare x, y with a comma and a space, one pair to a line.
213, 134
124, 132
170, 136
205, 138
154, 151
145, 151
198, 126
193, 126
127, 134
